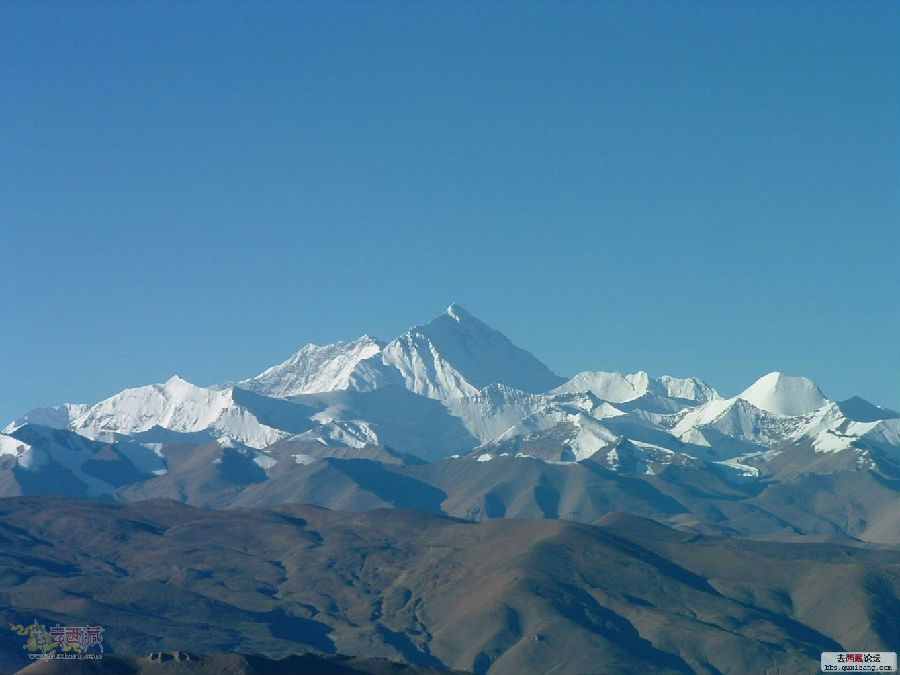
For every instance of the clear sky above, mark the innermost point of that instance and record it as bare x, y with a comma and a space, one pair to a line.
694, 188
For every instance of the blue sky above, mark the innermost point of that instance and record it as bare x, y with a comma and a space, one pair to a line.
703, 188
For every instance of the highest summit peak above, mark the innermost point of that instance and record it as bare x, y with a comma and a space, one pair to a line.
457, 312
456, 354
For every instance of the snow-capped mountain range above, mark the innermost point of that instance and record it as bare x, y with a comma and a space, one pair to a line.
451, 357
456, 387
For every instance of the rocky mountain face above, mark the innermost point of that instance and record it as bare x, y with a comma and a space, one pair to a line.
507, 596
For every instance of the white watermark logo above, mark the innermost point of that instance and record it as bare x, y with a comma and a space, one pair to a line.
859, 662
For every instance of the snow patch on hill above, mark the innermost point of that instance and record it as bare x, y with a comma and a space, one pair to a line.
12, 446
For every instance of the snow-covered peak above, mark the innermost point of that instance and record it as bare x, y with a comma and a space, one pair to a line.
178, 386
735, 417
175, 404
609, 386
704, 414
735, 425
622, 387
456, 355
317, 368
179, 406
687, 388
784, 394
55, 417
